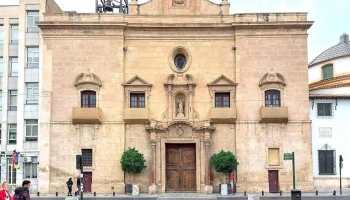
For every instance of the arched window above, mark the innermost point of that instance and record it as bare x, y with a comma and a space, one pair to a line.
272, 98
88, 99
327, 71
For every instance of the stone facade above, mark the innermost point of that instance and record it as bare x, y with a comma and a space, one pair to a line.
135, 53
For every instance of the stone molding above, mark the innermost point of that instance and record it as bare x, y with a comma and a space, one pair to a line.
87, 81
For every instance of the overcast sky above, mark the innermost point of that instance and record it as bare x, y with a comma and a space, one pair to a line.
332, 17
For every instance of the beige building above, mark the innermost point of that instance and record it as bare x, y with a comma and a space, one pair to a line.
179, 80
20, 43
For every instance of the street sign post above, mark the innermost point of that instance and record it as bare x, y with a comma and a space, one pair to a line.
340, 168
290, 156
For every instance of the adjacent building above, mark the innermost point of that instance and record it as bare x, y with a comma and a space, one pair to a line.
20, 46
329, 78
179, 80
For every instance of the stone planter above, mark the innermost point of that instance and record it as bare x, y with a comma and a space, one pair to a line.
135, 190
223, 188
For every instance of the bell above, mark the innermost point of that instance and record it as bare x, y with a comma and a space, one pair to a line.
108, 6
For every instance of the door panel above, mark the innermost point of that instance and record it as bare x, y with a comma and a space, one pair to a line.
87, 181
180, 167
273, 181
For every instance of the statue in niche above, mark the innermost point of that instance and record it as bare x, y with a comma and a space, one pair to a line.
180, 107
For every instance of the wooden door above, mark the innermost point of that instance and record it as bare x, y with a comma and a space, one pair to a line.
87, 181
273, 181
181, 167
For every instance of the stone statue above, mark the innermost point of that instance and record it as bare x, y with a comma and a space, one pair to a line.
180, 109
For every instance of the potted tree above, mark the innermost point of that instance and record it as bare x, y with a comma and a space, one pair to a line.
132, 162
224, 162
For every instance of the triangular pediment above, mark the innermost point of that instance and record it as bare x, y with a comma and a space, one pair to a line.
222, 80
136, 81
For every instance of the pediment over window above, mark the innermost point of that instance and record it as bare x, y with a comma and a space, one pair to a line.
87, 81
272, 78
222, 81
137, 81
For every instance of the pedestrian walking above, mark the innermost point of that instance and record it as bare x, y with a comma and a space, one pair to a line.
69, 185
22, 193
78, 186
4, 193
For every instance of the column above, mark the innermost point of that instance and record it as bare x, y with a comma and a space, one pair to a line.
153, 187
208, 188
170, 103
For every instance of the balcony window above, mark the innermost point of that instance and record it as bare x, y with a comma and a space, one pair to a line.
32, 95
13, 100
327, 72
1, 34
137, 100
33, 57
14, 34
31, 129
324, 109
32, 18
13, 66
11, 172
1, 65
88, 99
272, 98
222, 100
12, 130
326, 162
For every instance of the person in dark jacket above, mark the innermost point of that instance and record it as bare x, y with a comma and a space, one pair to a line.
69, 185
78, 186
22, 193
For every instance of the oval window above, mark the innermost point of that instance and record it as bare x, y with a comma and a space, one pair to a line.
180, 61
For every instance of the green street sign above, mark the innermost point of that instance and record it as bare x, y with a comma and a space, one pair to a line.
288, 156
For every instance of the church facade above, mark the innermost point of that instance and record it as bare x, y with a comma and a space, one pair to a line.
179, 81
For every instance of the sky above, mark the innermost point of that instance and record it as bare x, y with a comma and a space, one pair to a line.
331, 17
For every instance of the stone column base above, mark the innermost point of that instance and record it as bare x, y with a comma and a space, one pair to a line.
153, 189
208, 189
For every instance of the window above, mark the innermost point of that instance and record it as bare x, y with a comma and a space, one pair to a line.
0, 100
11, 177
12, 133
88, 99
31, 129
32, 56
32, 95
32, 18
14, 34
87, 157
222, 100
326, 162
1, 65
13, 66
274, 156
137, 100
13, 100
180, 61
1, 34
31, 168
272, 98
324, 109
327, 72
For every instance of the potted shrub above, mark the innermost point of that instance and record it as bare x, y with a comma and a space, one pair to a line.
224, 162
132, 162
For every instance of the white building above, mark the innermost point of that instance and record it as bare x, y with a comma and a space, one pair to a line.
329, 79
19, 89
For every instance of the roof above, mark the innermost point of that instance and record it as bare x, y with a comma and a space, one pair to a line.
335, 82
339, 50
329, 96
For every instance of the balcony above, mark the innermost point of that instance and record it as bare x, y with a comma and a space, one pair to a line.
136, 115
273, 114
223, 115
86, 116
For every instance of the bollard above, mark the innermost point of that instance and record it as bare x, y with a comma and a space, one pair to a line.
94, 194
56, 194
113, 193
280, 193
334, 193
316, 193
262, 193
38, 194
245, 193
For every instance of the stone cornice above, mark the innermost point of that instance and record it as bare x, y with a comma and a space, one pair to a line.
339, 81
288, 24
79, 25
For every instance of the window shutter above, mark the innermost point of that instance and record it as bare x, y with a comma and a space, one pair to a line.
321, 162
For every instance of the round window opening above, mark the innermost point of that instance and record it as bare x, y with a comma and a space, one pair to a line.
180, 61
